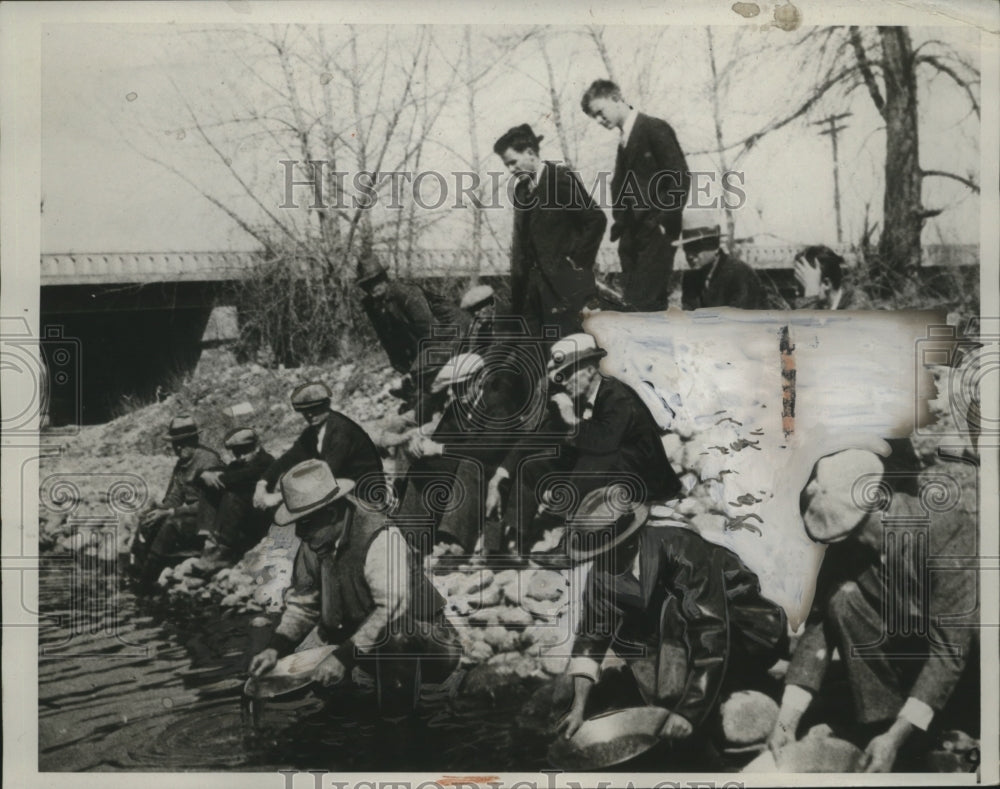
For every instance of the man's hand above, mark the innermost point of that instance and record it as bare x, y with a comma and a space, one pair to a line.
809, 276
493, 494
676, 727
329, 672
263, 662
564, 403
155, 515
782, 735
212, 479
570, 722
262, 500
880, 755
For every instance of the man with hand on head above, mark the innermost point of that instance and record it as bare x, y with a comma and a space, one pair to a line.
329, 436
819, 272
895, 624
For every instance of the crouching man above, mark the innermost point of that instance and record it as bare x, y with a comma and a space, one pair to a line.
181, 521
357, 581
685, 614
909, 657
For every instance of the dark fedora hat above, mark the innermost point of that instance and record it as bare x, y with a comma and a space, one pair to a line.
370, 271
181, 427
604, 520
307, 487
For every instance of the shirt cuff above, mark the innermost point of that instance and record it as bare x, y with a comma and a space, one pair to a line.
582, 666
796, 699
917, 712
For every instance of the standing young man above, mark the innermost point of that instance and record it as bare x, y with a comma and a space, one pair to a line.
557, 231
648, 191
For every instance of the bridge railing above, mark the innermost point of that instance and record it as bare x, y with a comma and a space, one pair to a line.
150, 267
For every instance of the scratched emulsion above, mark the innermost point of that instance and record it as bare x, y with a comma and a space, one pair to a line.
718, 382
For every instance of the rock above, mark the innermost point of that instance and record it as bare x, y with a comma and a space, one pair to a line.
748, 716
486, 598
546, 585
709, 523
478, 652
515, 618
477, 580
541, 637
506, 577
486, 617
501, 639
514, 663
674, 447
555, 661
192, 583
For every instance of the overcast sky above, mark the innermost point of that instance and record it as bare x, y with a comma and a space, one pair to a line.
110, 91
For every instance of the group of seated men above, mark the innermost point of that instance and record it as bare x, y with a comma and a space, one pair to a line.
511, 439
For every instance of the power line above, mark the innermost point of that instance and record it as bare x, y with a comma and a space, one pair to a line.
833, 129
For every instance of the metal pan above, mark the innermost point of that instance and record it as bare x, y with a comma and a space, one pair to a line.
609, 739
289, 674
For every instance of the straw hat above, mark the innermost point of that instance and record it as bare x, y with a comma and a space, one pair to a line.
571, 351
603, 520
307, 487
181, 427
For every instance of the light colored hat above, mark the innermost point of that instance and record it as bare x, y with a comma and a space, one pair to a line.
241, 437
181, 427
831, 510
307, 487
604, 519
310, 395
477, 297
571, 351
460, 367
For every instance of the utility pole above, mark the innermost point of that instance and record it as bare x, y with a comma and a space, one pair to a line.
833, 130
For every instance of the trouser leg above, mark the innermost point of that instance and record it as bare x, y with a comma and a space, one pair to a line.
648, 284
237, 525
874, 681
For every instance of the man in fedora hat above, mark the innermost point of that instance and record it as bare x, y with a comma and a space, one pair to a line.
686, 614
186, 512
329, 436
358, 582
404, 316
715, 278
648, 190
557, 232
898, 626
609, 435
238, 526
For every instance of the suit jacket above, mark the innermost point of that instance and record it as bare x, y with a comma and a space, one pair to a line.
689, 591
347, 449
726, 283
557, 230
850, 299
186, 490
401, 320
651, 179
949, 593
240, 476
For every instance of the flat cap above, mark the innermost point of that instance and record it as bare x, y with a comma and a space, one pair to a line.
310, 395
241, 437
476, 297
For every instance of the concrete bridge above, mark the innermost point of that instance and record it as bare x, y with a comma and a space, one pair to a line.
140, 319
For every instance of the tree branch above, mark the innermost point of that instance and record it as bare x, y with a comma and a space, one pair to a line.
866, 68
968, 182
966, 85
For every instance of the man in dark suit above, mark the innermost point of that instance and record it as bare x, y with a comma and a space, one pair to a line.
332, 437
716, 279
686, 615
557, 232
896, 624
610, 436
648, 190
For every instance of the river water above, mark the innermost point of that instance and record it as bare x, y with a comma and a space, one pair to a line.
137, 684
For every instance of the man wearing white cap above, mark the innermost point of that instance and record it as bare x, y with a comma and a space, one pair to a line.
609, 434
896, 624
359, 584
